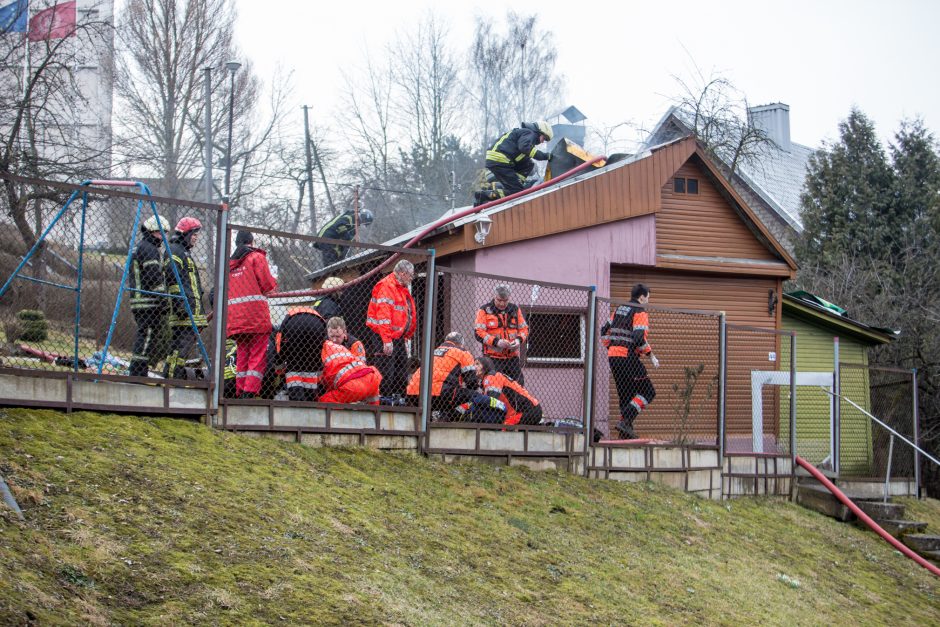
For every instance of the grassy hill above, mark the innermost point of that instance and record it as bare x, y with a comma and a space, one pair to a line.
140, 521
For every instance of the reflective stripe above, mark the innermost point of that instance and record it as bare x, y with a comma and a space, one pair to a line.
378, 321
250, 373
246, 299
495, 155
152, 262
337, 355
468, 368
388, 301
494, 388
349, 367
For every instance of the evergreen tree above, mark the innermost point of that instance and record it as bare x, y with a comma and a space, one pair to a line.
917, 184
848, 200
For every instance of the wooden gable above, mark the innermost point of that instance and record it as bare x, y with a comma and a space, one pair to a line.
707, 231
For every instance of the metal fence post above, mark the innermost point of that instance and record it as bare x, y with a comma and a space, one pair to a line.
793, 401
836, 408
217, 369
916, 434
427, 350
722, 383
588, 419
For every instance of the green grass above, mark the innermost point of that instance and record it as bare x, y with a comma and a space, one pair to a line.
161, 521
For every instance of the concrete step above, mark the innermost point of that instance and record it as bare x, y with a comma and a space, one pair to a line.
922, 542
882, 511
897, 528
819, 499
933, 556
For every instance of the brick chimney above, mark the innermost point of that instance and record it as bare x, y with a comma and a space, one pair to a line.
774, 120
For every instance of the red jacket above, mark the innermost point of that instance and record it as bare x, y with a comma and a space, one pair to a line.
249, 279
391, 311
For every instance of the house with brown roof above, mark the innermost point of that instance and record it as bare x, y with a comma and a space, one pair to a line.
665, 217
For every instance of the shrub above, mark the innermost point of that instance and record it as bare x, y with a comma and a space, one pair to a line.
33, 325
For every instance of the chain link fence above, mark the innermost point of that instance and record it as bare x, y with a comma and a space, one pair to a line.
96, 292
865, 447
676, 402
529, 344
368, 300
757, 401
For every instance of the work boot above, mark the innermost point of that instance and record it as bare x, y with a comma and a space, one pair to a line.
625, 431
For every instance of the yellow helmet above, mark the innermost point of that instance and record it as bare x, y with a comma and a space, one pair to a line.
331, 282
545, 129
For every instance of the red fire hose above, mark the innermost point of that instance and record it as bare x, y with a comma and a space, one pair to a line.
439, 223
865, 518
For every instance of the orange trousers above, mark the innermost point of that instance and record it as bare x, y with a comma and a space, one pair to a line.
361, 389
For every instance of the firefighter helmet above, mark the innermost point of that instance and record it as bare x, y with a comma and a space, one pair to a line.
545, 129
187, 224
155, 223
365, 217
332, 282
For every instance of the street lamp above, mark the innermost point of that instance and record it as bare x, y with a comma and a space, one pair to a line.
232, 67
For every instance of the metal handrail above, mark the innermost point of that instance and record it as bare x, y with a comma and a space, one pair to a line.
856, 406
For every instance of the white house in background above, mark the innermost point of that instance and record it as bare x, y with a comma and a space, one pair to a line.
771, 188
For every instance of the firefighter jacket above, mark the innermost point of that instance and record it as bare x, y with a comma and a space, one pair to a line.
626, 332
181, 258
518, 400
147, 274
391, 312
356, 346
517, 148
249, 280
340, 364
327, 306
231, 354
452, 368
493, 325
342, 226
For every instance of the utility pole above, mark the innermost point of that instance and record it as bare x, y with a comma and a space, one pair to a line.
329, 198
208, 132
453, 189
307, 142
356, 215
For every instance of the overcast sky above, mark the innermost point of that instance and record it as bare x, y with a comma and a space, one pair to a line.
619, 57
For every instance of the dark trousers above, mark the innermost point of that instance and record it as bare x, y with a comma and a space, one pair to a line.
531, 415
183, 347
507, 175
302, 338
479, 406
511, 368
634, 389
150, 322
394, 367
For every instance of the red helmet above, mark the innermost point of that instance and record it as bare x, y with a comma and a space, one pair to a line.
187, 224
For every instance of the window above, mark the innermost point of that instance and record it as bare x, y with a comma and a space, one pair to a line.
682, 185
555, 337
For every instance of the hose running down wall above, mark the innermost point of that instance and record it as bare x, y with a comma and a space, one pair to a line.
865, 518
439, 223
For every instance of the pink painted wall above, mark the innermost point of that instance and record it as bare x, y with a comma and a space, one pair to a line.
581, 257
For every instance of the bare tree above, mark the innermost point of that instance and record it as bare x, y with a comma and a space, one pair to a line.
164, 46
512, 75
44, 119
717, 114
429, 100
366, 119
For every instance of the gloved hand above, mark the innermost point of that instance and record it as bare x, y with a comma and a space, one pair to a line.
654, 360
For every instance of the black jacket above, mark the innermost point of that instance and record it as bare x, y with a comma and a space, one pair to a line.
517, 148
147, 274
192, 285
342, 226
